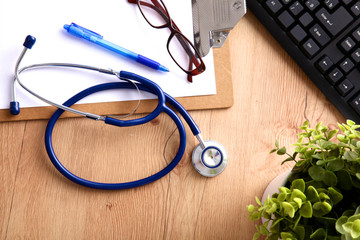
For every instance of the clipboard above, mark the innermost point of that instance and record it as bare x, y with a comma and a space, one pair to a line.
222, 99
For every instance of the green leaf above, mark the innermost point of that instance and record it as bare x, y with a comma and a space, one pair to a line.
263, 230
321, 208
332, 133
298, 202
316, 173
335, 165
357, 175
320, 163
273, 150
344, 180
347, 227
288, 209
300, 232
351, 155
355, 182
284, 190
342, 138
305, 125
339, 224
286, 235
330, 178
250, 208
298, 184
318, 126
341, 127
306, 210
256, 236
312, 194
357, 211
281, 197
354, 218
342, 145
255, 216
326, 144
319, 234
334, 195
276, 144
355, 232
323, 196
296, 193
281, 151
258, 201
270, 206
350, 122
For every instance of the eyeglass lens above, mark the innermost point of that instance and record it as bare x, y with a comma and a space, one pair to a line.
187, 60
154, 12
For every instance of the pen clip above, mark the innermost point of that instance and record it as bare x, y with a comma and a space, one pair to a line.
86, 30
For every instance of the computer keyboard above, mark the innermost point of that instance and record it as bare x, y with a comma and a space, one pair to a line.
323, 37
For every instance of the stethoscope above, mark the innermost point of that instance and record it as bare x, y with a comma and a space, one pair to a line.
209, 157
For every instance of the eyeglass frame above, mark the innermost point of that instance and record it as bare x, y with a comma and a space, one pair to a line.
162, 10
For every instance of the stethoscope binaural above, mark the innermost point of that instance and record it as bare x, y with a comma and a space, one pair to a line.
209, 157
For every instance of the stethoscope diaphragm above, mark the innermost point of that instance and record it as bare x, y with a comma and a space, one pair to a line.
210, 160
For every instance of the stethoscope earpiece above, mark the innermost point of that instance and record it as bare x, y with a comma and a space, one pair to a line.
211, 159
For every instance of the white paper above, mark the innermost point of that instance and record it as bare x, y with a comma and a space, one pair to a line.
118, 22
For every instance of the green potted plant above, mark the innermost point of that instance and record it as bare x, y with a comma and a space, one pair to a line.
321, 196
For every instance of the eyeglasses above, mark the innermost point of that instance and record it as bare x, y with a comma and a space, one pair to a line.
181, 50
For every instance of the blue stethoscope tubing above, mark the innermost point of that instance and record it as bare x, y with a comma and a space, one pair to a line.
145, 85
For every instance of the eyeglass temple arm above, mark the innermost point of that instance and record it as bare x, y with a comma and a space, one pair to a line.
162, 12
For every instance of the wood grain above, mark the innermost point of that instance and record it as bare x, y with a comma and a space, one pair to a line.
272, 97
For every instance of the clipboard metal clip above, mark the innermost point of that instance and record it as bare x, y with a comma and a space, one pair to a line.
213, 20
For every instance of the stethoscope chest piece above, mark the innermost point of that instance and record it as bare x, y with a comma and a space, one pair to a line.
211, 160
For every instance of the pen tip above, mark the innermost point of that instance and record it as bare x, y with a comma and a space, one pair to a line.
163, 68
66, 27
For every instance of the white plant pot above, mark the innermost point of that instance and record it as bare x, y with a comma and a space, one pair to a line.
274, 185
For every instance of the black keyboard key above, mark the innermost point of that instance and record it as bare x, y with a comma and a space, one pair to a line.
345, 87
296, 8
346, 2
355, 104
335, 76
286, 19
274, 5
298, 34
330, 4
310, 48
356, 55
347, 65
336, 21
312, 4
356, 34
286, 1
306, 19
319, 35
347, 44
325, 64
356, 9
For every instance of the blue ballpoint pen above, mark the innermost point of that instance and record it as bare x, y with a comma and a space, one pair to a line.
96, 38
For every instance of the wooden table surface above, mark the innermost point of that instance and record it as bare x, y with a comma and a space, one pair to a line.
272, 97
